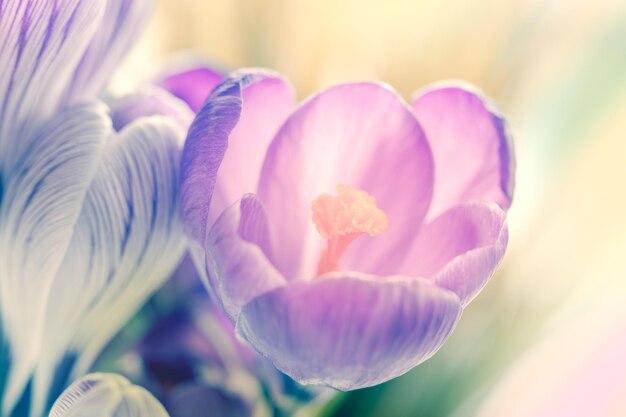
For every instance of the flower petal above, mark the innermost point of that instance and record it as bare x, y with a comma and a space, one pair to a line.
126, 242
241, 114
195, 399
40, 203
123, 21
359, 134
148, 101
460, 249
192, 85
471, 146
106, 395
42, 43
350, 331
238, 256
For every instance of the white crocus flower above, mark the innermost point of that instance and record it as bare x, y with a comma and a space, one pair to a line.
88, 194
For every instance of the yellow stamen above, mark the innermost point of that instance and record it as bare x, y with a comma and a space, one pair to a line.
341, 219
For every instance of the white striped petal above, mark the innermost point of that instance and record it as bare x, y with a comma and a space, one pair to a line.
40, 203
122, 22
56, 53
127, 241
106, 395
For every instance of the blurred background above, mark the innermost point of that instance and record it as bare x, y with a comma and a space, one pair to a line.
546, 337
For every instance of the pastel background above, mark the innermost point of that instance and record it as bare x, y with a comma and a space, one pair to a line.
546, 337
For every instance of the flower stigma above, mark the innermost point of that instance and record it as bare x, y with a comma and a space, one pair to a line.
341, 218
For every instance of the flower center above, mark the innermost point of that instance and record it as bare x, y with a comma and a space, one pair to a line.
342, 218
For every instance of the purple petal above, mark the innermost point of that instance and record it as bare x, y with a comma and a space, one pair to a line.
238, 256
193, 400
122, 22
471, 147
350, 331
175, 345
460, 249
241, 114
362, 135
41, 43
148, 102
193, 85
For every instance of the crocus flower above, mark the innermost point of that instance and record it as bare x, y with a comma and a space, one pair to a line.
344, 237
88, 196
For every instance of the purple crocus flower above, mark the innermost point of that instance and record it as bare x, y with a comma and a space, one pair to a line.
344, 236
89, 223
